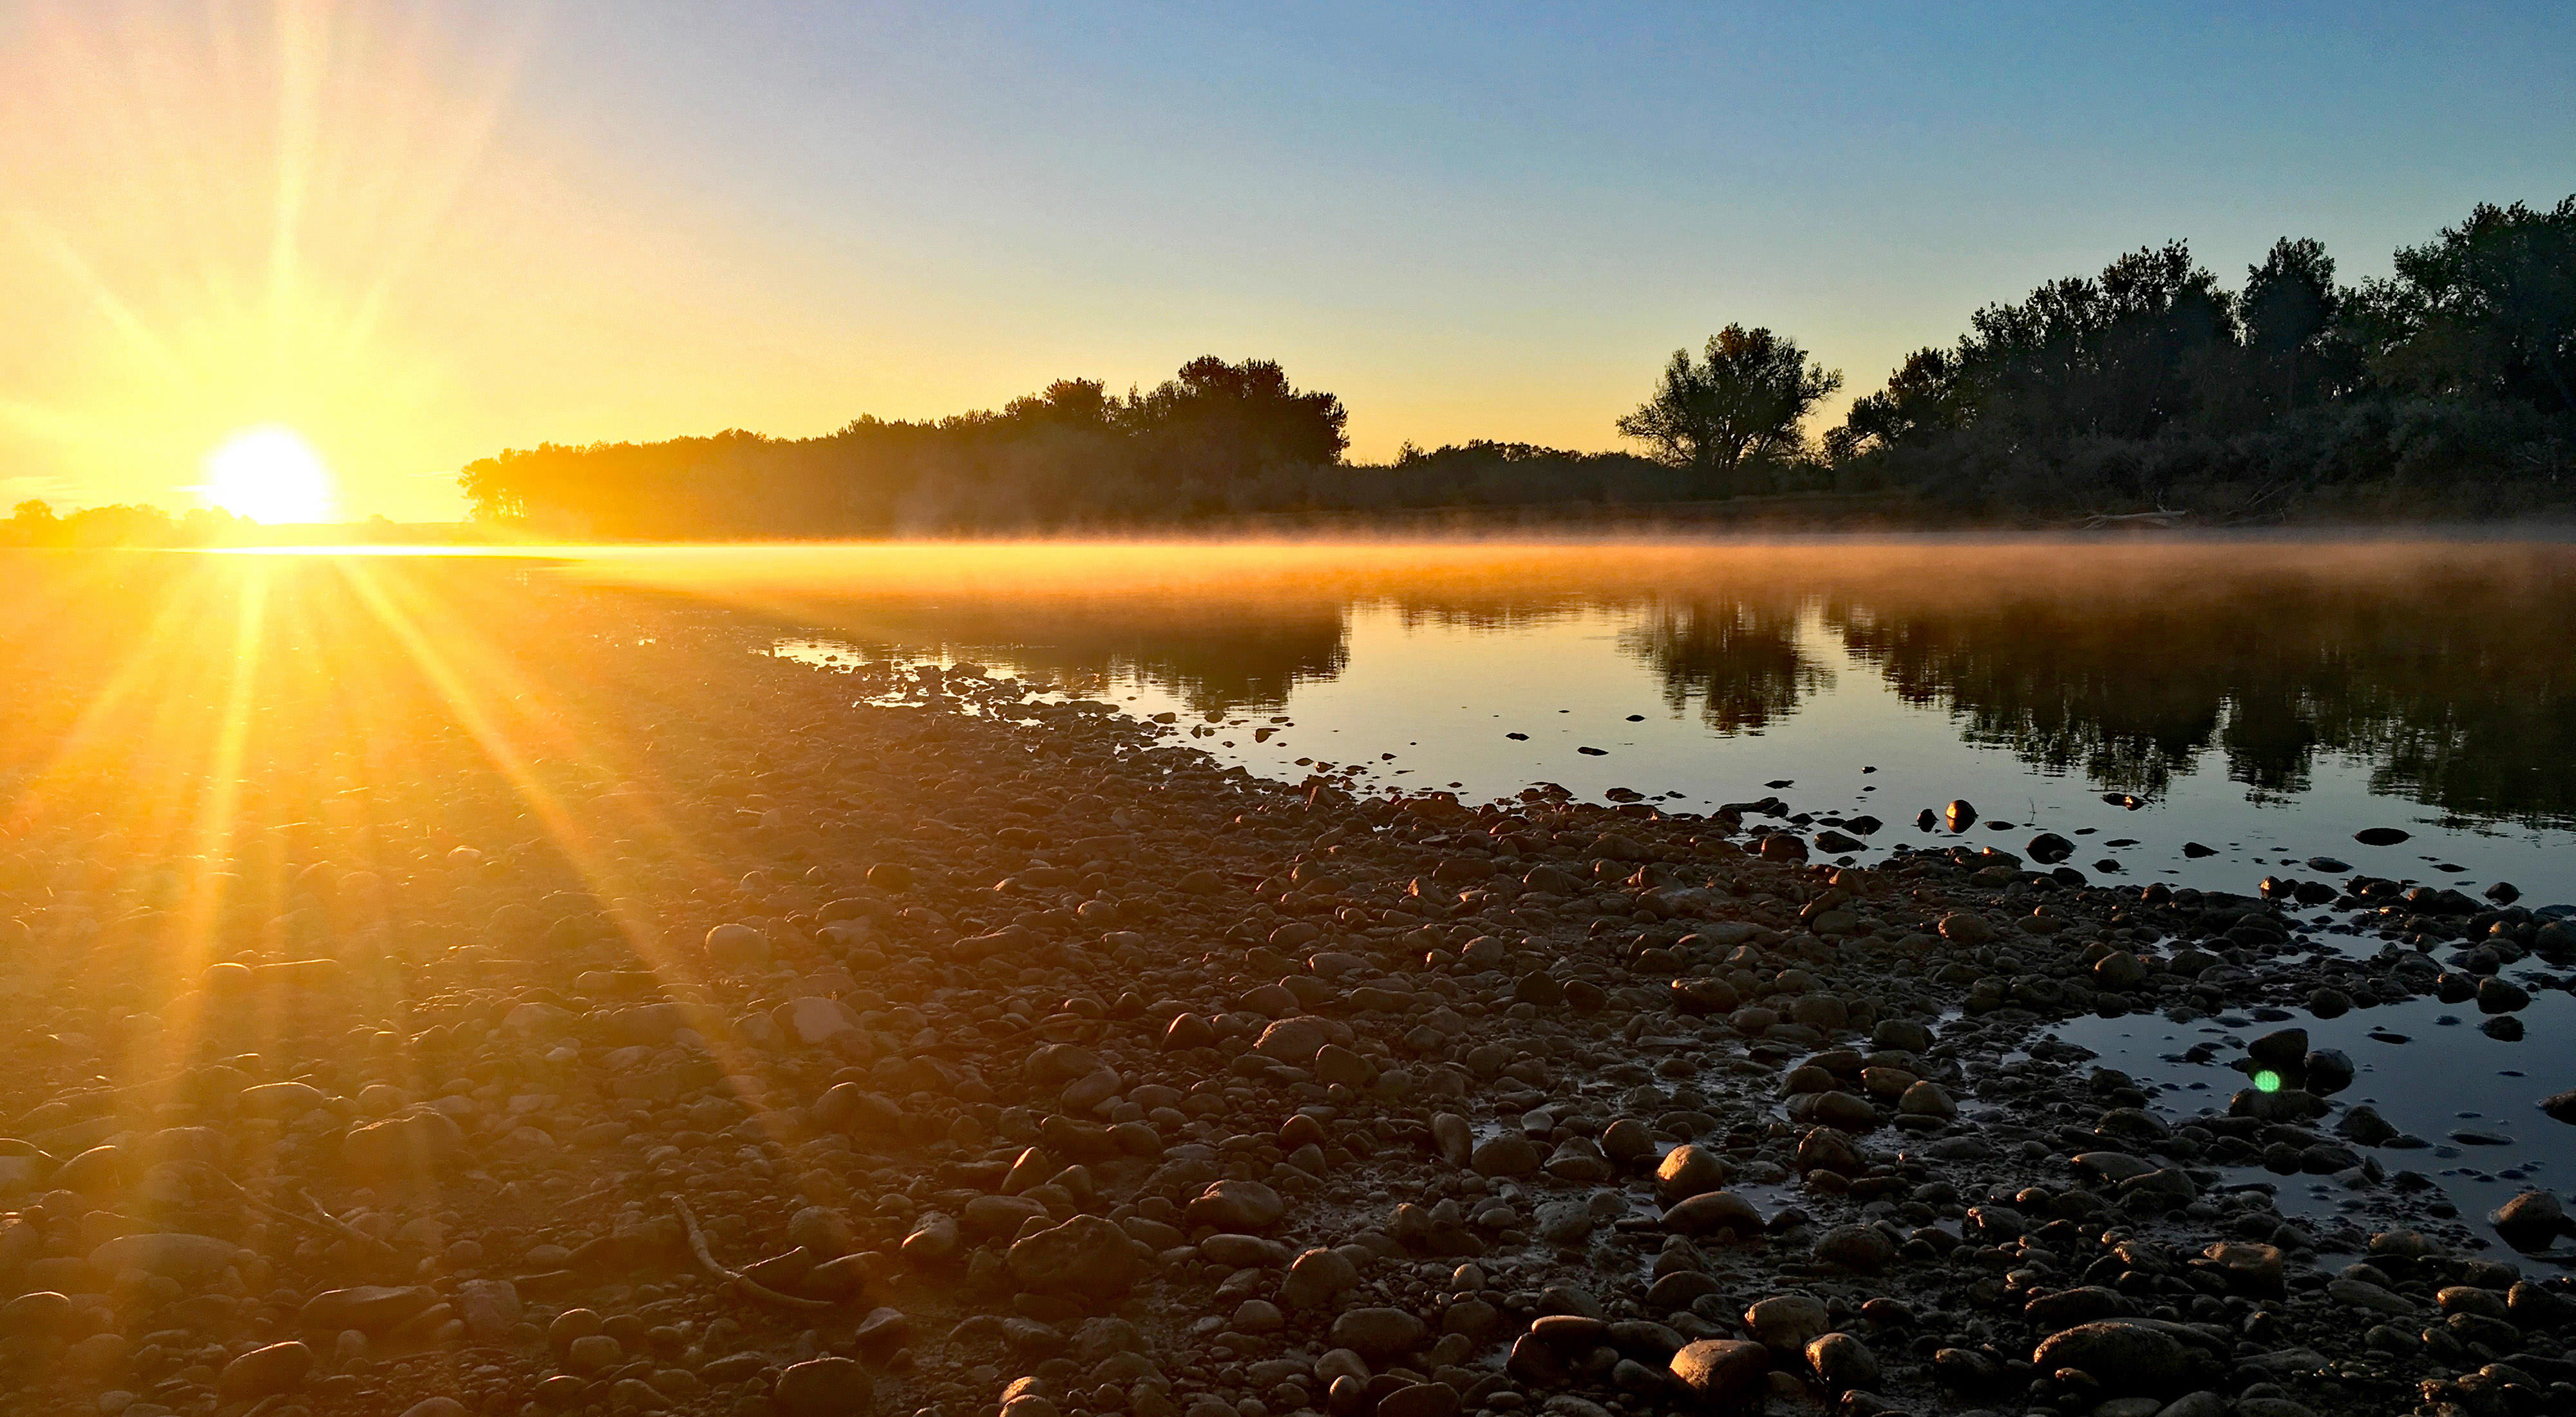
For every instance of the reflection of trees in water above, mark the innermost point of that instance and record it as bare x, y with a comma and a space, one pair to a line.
2064, 692
1221, 670
1741, 660
1214, 662
2455, 689
2453, 684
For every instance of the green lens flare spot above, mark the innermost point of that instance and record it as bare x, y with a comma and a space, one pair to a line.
2267, 1081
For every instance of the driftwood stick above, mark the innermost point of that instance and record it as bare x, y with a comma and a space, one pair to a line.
752, 1287
343, 1228
327, 1225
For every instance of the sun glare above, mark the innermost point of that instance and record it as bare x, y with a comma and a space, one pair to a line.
268, 474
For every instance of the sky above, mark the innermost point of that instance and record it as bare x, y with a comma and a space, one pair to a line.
417, 233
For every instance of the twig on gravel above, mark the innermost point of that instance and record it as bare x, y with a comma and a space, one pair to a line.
322, 1222
748, 1285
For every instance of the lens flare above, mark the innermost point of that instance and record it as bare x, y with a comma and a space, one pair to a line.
2267, 1081
268, 474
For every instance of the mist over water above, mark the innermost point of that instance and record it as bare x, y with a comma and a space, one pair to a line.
2263, 698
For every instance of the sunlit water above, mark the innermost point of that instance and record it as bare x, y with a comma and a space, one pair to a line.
2265, 700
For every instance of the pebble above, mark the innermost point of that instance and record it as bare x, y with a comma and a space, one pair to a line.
1134, 1086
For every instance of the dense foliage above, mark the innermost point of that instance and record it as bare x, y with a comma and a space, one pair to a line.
1215, 437
1745, 399
2444, 387
2448, 382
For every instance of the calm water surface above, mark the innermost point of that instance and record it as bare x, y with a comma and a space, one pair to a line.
2263, 700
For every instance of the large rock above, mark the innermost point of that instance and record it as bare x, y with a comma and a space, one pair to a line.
1240, 1206
2125, 1356
1864, 1248
1721, 1372
262, 1372
1787, 1323
1713, 1211
1293, 1040
824, 1387
1378, 1334
1318, 1277
490, 1308
2531, 1221
1085, 1255
1841, 1362
1689, 1171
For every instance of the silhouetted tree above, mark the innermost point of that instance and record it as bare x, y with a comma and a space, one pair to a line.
1746, 395
2148, 382
2488, 308
2293, 314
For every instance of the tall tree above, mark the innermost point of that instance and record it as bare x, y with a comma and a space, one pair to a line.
2292, 311
1251, 407
1746, 394
2489, 307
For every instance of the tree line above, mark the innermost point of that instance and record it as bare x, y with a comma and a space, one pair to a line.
35, 523
2442, 387
2447, 382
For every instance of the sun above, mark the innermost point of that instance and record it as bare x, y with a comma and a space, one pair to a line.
268, 474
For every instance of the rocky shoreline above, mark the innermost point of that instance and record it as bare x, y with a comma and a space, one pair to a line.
736, 1037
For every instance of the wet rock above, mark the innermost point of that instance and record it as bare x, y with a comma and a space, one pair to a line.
1787, 1323
1713, 1212
2530, 1221
2282, 1048
1961, 927
2496, 996
1927, 1099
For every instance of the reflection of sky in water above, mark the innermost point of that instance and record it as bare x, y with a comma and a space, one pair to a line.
1443, 694
2267, 698
2445, 1078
